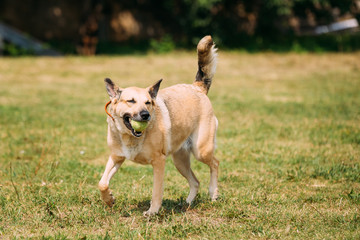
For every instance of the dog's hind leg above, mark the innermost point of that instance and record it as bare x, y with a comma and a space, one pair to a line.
203, 149
182, 162
112, 166
213, 164
213, 188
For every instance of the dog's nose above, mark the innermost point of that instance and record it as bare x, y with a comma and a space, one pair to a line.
145, 115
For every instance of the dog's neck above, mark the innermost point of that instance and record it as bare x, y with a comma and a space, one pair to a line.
128, 145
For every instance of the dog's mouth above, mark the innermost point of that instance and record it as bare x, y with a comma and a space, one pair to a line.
127, 119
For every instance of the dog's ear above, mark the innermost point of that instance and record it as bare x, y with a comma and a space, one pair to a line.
153, 90
112, 89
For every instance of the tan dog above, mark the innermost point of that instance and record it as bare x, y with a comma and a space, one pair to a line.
180, 120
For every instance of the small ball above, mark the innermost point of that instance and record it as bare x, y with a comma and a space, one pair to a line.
138, 126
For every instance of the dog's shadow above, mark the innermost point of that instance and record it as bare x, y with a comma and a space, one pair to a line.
169, 206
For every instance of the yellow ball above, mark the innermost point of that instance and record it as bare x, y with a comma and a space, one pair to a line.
139, 126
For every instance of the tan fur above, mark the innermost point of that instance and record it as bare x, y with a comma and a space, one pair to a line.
181, 122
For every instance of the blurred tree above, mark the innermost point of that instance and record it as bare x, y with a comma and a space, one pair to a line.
232, 23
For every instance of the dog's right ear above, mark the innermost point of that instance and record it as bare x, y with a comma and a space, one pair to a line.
112, 89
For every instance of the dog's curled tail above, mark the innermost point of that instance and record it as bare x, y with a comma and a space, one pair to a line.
207, 58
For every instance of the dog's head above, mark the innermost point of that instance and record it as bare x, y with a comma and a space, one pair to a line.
132, 104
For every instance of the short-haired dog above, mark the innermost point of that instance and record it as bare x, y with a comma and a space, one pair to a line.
180, 120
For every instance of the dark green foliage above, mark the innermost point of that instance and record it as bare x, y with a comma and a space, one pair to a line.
254, 25
14, 51
166, 44
251, 25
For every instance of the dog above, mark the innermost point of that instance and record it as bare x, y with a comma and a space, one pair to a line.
180, 121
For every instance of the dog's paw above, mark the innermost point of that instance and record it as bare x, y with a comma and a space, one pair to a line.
108, 198
190, 199
192, 194
214, 195
149, 213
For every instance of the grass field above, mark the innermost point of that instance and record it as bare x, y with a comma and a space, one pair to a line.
288, 145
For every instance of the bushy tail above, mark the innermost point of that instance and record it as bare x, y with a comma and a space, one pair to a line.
207, 58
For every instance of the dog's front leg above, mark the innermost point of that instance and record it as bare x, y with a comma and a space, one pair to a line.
112, 166
158, 188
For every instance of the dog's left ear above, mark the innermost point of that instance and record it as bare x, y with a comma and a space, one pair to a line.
153, 90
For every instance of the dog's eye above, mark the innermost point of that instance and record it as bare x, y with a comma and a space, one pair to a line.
131, 101
148, 102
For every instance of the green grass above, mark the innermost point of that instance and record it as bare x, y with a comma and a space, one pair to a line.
288, 145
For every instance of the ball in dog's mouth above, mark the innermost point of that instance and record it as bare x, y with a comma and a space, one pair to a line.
136, 127
139, 126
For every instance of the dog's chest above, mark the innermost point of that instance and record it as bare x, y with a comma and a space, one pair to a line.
134, 153
127, 147
131, 152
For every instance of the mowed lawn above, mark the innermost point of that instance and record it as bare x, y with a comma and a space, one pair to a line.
288, 144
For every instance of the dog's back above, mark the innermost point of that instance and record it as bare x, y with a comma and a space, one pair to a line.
188, 104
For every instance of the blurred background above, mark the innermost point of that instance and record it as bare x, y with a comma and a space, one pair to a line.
89, 27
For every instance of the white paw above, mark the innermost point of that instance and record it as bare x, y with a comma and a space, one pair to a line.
190, 199
192, 194
214, 194
149, 213
108, 198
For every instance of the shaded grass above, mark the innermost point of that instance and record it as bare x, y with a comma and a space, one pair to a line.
288, 143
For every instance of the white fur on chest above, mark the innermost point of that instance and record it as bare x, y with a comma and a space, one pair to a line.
130, 152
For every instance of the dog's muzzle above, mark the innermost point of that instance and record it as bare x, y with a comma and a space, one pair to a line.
144, 116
